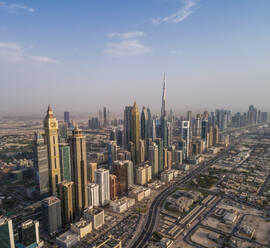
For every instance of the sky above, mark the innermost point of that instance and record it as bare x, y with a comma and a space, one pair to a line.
81, 55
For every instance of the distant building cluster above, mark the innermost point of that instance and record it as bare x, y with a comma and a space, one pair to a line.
139, 149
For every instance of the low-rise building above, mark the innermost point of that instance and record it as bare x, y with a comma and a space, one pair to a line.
82, 227
121, 205
68, 239
139, 193
95, 215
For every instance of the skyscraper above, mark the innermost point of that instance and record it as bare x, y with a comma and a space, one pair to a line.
102, 179
113, 187
136, 131
79, 167
51, 139
64, 152
66, 117
6, 233
160, 145
153, 158
112, 152
104, 116
28, 234
215, 136
93, 194
51, 215
67, 196
142, 151
91, 168
41, 165
163, 105
127, 126
144, 124
185, 134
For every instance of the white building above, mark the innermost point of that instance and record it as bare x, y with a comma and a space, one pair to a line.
121, 205
93, 194
102, 179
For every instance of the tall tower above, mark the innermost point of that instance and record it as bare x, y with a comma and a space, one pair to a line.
41, 165
163, 106
144, 124
79, 167
103, 180
66, 195
127, 126
163, 119
51, 139
135, 137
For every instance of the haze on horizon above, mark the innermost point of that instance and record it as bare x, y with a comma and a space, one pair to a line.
82, 55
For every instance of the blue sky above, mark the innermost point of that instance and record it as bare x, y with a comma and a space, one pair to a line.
82, 54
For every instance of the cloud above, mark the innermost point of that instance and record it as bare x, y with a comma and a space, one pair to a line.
127, 35
126, 48
43, 59
15, 7
14, 53
9, 45
179, 15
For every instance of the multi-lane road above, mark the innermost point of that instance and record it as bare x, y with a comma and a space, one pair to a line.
153, 213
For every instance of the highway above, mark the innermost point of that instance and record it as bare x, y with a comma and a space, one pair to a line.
148, 230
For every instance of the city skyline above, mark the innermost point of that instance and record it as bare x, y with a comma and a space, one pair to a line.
207, 60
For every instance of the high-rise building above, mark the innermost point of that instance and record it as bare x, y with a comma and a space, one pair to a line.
169, 160
141, 175
64, 154
77, 144
66, 117
178, 157
198, 125
63, 133
67, 196
169, 133
163, 104
28, 234
144, 124
149, 124
93, 195
264, 117
91, 168
153, 158
102, 179
112, 152
185, 134
127, 126
41, 165
165, 158
215, 136
113, 187
142, 151
204, 129
160, 145
164, 130
51, 139
124, 173
105, 117
6, 233
51, 215
136, 131
163, 119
